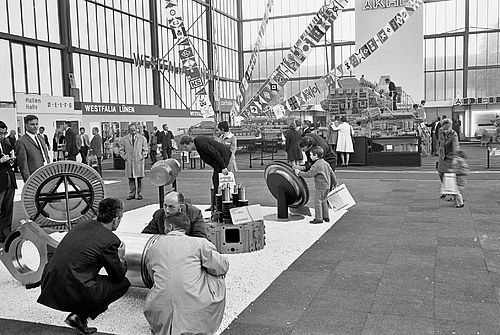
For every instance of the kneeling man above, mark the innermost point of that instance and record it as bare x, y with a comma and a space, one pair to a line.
189, 292
174, 203
70, 280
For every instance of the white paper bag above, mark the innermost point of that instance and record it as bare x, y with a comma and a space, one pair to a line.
449, 184
340, 198
227, 179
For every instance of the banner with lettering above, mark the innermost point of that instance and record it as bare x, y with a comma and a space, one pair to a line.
298, 53
186, 54
253, 58
371, 46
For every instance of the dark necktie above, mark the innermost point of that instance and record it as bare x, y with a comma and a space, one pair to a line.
133, 140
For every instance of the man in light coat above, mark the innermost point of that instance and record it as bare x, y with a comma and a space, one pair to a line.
189, 292
134, 150
31, 151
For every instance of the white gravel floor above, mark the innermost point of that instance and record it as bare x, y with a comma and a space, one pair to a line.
249, 275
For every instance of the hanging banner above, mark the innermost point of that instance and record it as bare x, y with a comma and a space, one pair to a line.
188, 61
314, 32
322, 84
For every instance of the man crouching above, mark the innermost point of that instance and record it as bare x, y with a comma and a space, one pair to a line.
70, 280
189, 292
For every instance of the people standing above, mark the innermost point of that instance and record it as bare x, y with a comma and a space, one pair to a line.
393, 93
71, 142
83, 140
134, 150
41, 133
31, 151
13, 140
447, 144
332, 136
306, 128
71, 281
345, 143
434, 134
145, 132
165, 138
96, 148
456, 126
324, 181
228, 139
189, 292
292, 139
153, 146
8, 183
311, 140
58, 144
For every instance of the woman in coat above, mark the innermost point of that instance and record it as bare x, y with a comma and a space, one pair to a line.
134, 150
344, 142
292, 138
447, 143
227, 138
332, 137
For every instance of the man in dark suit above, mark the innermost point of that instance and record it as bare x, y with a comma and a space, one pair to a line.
71, 142
174, 203
84, 143
7, 183
96, 148
71, 281
213, 153
393, 92
311, 140
165, 138
31, 151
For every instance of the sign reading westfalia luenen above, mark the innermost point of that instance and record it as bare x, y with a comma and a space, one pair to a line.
89, 108
376, 4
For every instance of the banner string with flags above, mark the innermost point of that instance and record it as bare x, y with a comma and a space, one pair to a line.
367, 49
186, 54
245, 82
298, 53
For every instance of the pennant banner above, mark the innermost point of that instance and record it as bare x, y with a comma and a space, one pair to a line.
188, 61
322, 84
313, 34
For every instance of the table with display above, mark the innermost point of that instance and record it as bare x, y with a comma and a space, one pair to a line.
387, 151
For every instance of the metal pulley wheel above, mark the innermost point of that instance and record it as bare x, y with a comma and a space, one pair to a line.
164, 172
61, 194
280, 177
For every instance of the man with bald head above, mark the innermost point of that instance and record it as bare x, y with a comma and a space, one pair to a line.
174, 203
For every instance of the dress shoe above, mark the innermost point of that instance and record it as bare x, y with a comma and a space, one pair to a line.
75, 322
443, 196
316, 221
139, 197
130, 197
459, 206
326, 219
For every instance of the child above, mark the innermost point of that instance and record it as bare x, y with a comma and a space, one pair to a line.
324, 181
461, 169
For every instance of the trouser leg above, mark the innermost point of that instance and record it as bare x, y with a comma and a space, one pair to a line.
319, 198
131, 185
6, 211
139, 185
215, 179
169, 153
99, 165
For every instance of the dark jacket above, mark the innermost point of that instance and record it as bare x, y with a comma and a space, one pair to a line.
324, 177
292, 149
392, 88
29, 156
328, 155
165, 139
6, 171
96, 145
70, 280
213, 153
71, 143
157, 224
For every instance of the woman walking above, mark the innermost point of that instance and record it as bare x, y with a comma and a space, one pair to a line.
344, 142
447, 143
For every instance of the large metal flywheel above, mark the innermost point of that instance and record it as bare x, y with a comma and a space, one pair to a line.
62, 194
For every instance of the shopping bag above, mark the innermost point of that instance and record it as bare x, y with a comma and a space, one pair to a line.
340, 198
227, 180
174, 145
449, 184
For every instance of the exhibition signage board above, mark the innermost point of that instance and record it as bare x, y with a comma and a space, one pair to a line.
37, 104
90, 108
246, 214
371, 46
376, 4
186, 54
476, 101
298, 53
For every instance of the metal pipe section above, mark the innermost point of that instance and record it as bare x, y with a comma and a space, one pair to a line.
136, 247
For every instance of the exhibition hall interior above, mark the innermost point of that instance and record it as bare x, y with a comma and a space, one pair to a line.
250, 167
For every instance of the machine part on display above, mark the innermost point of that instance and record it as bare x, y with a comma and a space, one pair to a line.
61, 194
136, 246
164, 172
289, 189
236, 239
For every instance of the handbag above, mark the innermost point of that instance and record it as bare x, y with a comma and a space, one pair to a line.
449, 184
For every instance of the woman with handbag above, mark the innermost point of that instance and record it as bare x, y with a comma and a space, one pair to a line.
345, 142
447, 143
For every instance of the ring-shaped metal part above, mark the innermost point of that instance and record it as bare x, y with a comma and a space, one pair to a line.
281, 177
